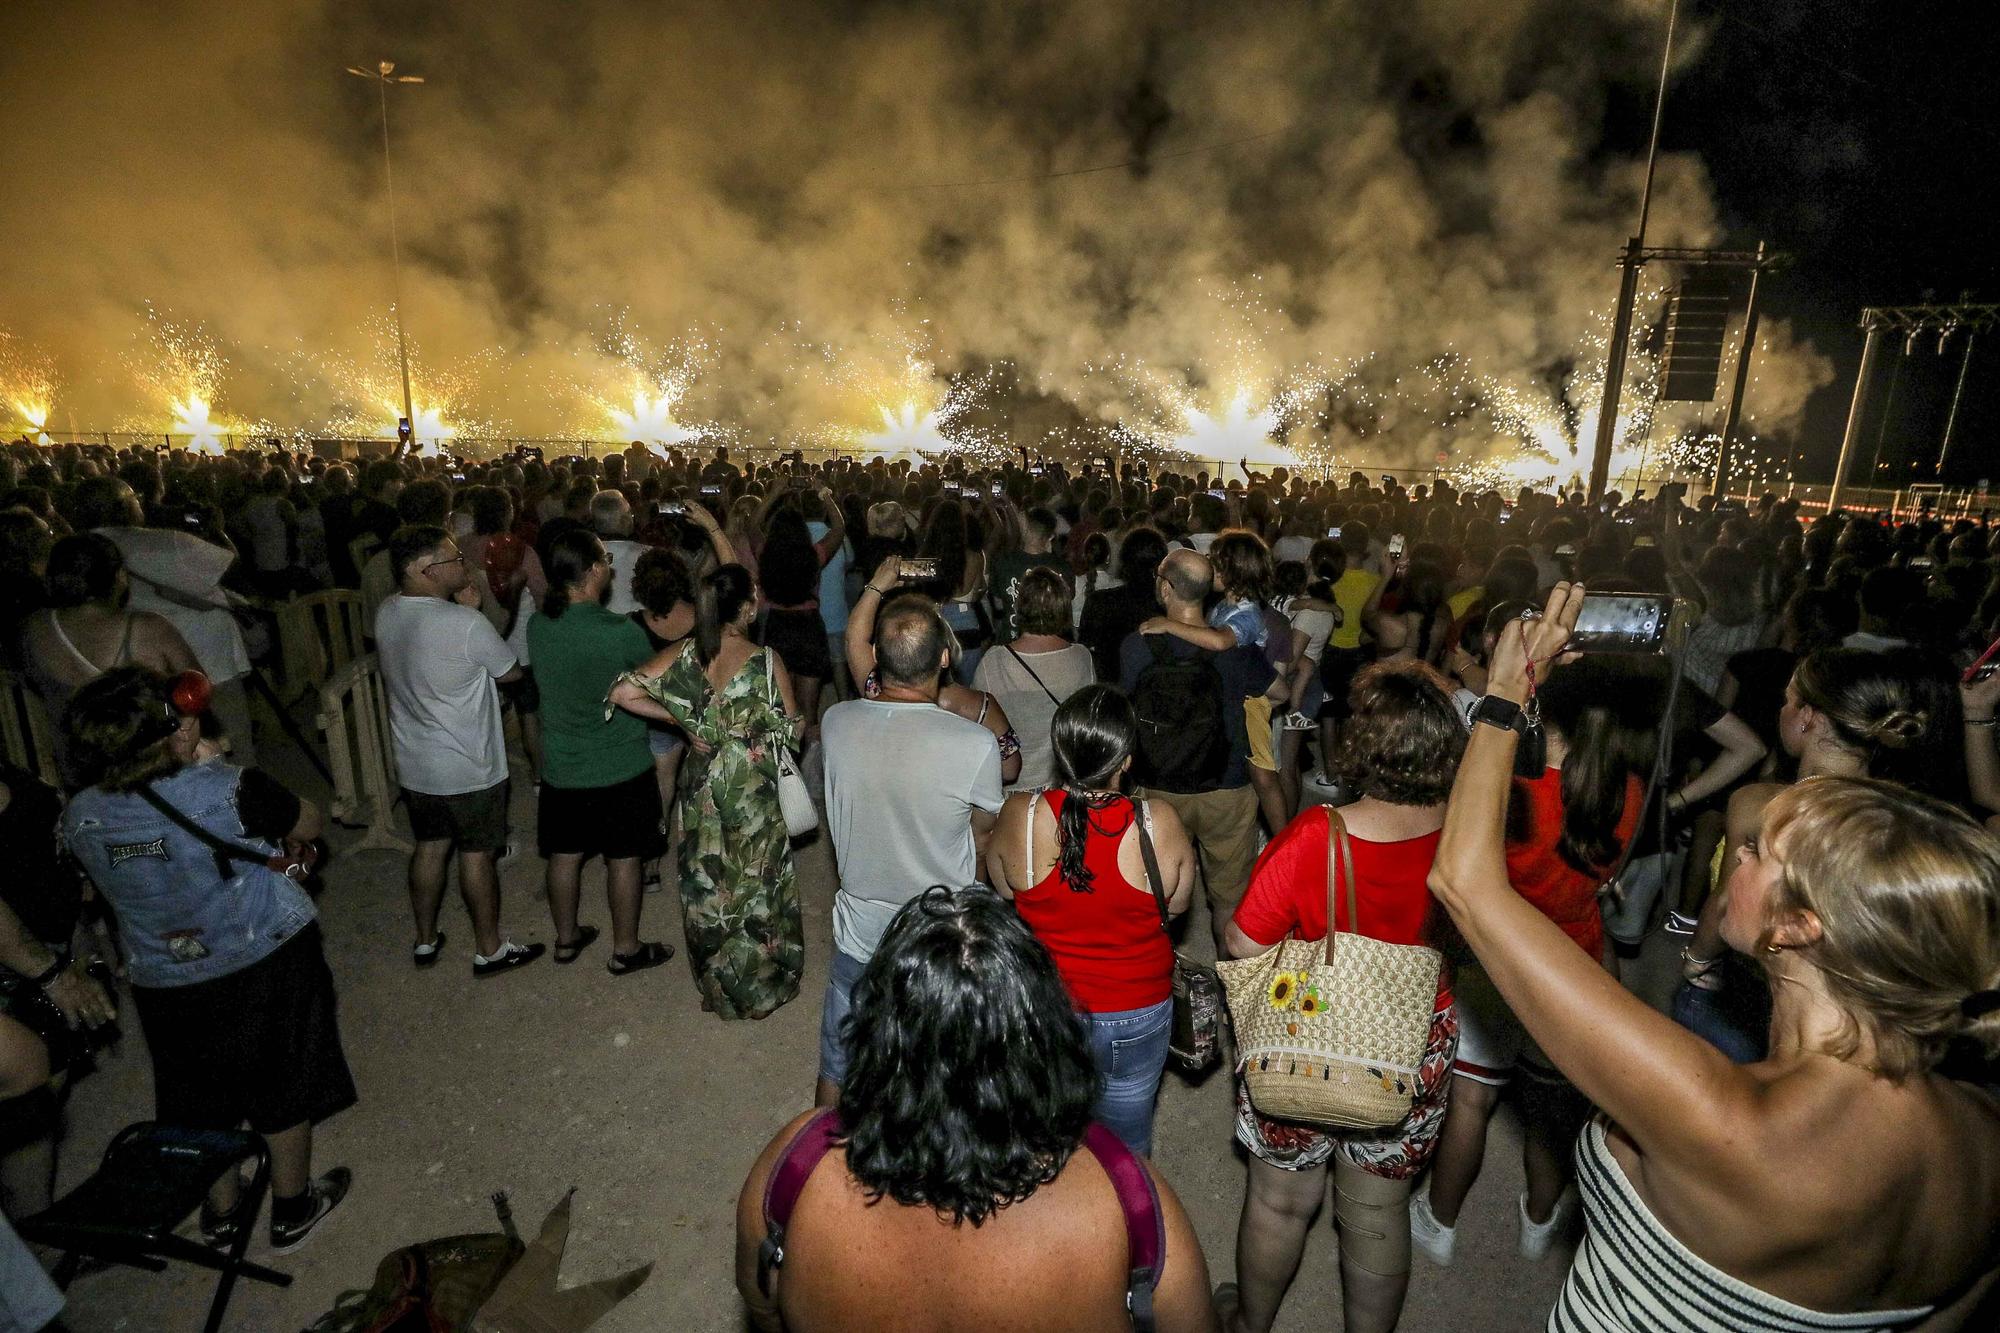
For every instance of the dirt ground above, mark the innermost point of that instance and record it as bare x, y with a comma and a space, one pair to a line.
557, 1077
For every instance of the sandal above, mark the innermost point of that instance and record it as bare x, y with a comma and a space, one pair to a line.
585, 936
651, 953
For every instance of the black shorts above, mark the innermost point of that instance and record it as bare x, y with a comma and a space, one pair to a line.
522, 694
260, 1045
1337, 669
615, 822
799, 639
475, 820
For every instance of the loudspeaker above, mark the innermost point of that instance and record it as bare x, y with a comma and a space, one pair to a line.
1697, 318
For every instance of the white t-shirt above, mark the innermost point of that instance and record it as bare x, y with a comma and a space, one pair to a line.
902, 780
1291, 548
624, 559
160, 561
440, 660
1029, 707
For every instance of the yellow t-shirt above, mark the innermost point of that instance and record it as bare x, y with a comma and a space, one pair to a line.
1462, 601
1351, 593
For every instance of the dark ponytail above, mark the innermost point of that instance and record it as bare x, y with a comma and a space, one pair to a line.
1093, 734
570, 557
1601, 719
718, 600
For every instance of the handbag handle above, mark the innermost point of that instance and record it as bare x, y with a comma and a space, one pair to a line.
1152, 860
1337, 846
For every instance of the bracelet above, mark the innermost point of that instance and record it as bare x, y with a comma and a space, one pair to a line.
1692, 959
1982, 721
55, 969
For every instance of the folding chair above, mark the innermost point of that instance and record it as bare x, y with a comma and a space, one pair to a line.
152, 1177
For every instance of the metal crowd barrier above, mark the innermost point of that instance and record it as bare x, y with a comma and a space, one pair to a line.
354, 717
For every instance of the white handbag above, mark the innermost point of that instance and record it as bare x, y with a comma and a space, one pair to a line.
794, 797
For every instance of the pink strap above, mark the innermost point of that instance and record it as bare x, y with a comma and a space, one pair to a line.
1145, 1225
782, 1188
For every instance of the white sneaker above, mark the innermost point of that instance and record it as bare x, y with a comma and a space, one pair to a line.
1538, 1238
1428, 1234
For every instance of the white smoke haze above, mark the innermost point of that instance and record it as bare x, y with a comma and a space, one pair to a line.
1317, 193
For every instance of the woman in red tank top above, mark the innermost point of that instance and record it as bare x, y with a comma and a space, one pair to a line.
1072, 860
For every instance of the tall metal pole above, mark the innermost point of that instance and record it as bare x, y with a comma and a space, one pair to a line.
396, 260
1628, 286
1957, 396
1743, 351
1853, 433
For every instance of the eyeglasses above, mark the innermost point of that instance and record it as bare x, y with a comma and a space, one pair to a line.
453, 560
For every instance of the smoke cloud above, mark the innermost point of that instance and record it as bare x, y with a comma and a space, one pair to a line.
811, 192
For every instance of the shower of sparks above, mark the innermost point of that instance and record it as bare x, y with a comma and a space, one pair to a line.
904, 432
661, 376
28, 384
651, 422
368, 396
191, 420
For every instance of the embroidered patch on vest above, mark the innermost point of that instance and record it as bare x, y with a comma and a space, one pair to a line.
185, 946
125, 851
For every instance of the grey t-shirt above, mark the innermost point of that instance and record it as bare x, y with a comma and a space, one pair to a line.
902, 780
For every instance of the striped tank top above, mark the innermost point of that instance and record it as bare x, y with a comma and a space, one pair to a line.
1630, 1274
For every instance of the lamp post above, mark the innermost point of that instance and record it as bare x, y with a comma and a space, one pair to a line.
383, 75
1628, 286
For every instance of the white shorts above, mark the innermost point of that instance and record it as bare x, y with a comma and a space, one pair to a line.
1492, 1044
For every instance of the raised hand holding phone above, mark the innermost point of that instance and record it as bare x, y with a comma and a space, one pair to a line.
1535, 643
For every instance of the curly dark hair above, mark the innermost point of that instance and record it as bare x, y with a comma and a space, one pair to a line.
1404, 740
970, 1081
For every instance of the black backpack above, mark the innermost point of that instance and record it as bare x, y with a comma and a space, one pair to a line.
1183, 738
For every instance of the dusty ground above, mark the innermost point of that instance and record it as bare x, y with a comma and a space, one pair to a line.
554, 1077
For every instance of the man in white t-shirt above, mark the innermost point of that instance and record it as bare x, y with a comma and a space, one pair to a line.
442, 660
911, 794
611, 520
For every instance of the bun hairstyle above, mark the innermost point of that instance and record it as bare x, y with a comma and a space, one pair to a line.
1907, 893
1891, 708
1093, 734
719, 601
569, 559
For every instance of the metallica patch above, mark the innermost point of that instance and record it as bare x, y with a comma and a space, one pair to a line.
125, 851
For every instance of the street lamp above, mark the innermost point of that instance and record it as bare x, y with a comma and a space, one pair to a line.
383, 75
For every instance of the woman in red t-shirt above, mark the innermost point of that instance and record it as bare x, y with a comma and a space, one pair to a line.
1070, 858
1399, 750
1566, 829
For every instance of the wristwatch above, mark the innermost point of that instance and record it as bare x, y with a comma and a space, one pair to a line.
1505, 714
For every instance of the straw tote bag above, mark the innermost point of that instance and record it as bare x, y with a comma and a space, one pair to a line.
1332, 1033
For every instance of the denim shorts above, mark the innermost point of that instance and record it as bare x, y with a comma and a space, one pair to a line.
840, 979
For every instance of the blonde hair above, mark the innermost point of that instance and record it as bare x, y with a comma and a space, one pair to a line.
886, 518
1907, 892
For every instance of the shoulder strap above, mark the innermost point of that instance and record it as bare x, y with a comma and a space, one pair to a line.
1338, 847
1145, 1223
225, 852
781, 1190
1032, 676
1035, 799
1153, 880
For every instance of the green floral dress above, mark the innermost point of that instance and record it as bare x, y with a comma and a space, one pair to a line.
739, 887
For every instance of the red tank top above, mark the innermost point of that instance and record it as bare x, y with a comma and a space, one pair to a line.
1107, 942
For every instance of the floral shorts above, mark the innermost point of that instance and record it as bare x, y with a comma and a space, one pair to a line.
1395, 1153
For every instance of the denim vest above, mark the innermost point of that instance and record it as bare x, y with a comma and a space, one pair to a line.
179, 922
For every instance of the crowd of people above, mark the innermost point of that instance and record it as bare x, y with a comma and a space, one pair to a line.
1049, 716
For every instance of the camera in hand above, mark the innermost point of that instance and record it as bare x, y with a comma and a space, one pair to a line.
711, 491
917, 569
1619, 622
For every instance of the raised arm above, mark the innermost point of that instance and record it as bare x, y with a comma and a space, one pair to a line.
860, 641
1742, 751
1675, 1094
836, 525
1982, 762
718, 540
